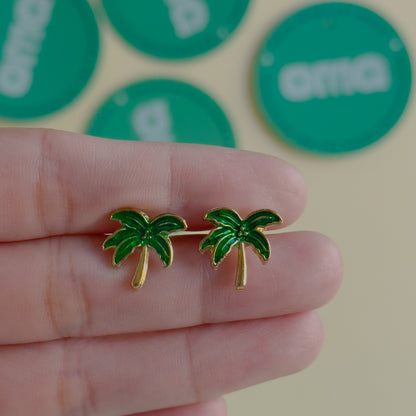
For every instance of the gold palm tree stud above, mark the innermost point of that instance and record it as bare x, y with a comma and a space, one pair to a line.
137, 230
232, 231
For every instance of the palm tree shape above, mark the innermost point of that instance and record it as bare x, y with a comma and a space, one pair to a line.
139, 231
232, 231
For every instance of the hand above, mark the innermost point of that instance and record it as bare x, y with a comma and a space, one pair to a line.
75, 339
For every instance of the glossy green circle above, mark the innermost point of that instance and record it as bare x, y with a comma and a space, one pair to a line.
162, 110
175, 29
48, 51
333, 78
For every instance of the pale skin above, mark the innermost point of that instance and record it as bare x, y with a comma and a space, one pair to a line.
76, 339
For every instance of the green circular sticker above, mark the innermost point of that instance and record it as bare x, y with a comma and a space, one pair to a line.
333, 78
48, 50
175, 29
162, 110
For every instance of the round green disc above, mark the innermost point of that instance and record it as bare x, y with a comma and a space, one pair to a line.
175, 29
333, 78
162, 110
48, 50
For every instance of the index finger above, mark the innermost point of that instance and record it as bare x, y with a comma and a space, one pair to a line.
54, 183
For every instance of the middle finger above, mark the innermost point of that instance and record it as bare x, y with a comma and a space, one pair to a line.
66, 287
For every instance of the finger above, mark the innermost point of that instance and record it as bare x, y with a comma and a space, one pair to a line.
54, 183
66, 287
122, 375
216, 407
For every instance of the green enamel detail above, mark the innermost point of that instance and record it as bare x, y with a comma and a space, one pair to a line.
125, 248
167, 223
223, 247
161, 243
223, 216
261, 219
231, 231
260, 243
216, 235
138, 231
133, 219
119, 236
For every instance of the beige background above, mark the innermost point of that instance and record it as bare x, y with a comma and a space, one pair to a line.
365, 201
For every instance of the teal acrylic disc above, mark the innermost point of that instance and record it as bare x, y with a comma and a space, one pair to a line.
48, 51
332, 78
162, 110
175, 29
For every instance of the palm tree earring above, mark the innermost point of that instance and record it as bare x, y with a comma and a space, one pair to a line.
137, 230
230, 230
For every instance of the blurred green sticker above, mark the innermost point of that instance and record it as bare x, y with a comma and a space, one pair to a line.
333, 78
48, 50
162, 110
175, 29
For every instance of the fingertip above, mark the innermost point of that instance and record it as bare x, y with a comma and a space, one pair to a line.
330, 263
214, 407
310, 340
317, 264
288, 186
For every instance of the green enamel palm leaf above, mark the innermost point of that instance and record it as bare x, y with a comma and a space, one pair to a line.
137, 230
232, 231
